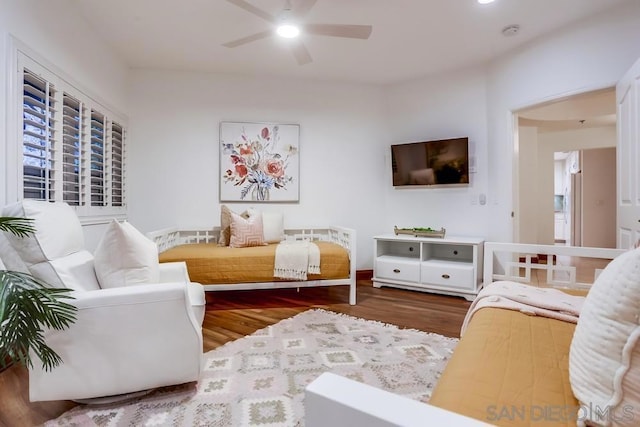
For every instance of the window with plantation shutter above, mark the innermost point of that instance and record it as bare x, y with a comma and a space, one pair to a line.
73, 147
72, 119
97, 159
117, 164
38, 137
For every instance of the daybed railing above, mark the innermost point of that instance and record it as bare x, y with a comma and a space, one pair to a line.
561, 266
345, 237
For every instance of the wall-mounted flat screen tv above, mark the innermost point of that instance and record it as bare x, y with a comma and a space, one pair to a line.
441, 162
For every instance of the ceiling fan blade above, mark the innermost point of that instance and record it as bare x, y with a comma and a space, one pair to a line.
340, 30
303, 7
242, 4
248, 39
301, 53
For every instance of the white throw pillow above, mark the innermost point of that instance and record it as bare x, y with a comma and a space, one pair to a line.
604, 358
273, 227
125, 256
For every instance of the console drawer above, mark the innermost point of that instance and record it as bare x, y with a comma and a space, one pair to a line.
447, 273
398, 268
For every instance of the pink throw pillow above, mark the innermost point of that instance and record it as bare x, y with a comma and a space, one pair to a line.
246, 232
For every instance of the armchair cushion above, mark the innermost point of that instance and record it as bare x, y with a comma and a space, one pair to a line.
10, 257
58, 231
73, 271
125, 256
54, 253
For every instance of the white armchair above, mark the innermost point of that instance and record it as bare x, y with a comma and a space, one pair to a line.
125, 339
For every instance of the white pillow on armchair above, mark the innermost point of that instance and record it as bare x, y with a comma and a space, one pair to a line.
125, 256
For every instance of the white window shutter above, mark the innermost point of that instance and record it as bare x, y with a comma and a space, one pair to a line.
117, 165
97, 154
72, 129
73, 148
38, 137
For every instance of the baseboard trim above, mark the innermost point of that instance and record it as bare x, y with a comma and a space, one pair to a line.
364, 274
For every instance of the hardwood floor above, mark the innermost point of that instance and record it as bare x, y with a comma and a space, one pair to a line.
234, 314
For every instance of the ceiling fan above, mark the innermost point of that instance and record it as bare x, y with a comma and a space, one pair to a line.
288, 23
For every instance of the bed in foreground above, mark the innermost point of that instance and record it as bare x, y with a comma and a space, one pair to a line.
220, 268
517, 365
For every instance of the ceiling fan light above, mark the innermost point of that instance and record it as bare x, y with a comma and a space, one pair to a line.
288, 31
485, 1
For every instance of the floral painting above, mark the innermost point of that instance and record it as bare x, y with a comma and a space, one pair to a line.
259, 162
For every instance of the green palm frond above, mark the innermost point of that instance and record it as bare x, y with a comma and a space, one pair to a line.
27, 306
21, 227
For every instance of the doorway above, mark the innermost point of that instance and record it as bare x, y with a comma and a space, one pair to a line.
580, 124
584, 197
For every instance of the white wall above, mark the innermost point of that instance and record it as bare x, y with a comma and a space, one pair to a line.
590, 55
527, 196
54, 31
558, 176
355, 125
439, 107
174, 155
346, 130
478, 103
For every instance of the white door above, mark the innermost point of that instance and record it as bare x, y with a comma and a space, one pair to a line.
628, 100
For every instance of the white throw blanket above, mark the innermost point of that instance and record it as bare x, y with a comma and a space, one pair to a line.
527, 299
294, 259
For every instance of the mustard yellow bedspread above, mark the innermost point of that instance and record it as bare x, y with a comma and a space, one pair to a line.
211, 264
510, 369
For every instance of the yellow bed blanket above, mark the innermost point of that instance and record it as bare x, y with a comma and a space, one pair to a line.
511, 369
210, 264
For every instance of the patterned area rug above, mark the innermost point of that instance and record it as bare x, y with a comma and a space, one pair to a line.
259, 380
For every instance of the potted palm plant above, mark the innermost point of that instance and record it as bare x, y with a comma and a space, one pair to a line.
27, 306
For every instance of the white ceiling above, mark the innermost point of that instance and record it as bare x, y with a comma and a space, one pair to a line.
587, 110
410, 38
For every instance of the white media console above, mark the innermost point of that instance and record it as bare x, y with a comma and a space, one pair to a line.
450, 265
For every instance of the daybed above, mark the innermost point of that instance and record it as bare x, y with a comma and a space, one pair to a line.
511, 368
220, 268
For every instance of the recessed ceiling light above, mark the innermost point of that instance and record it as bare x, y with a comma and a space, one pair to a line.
288, 31
485, 1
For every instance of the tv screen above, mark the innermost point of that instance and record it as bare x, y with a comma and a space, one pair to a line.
441, 162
